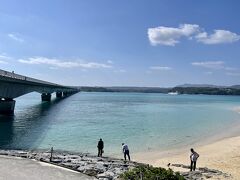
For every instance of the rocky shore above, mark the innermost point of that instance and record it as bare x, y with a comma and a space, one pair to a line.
104, 168
202, 173
101, 168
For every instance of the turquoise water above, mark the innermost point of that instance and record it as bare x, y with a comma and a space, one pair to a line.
146, 122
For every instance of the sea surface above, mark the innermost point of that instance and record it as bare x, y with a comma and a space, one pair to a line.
146, 122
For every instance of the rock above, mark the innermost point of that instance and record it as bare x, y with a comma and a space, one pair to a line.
117, 171
56, 161
81, 168
213, 171
90, 172
176, 165
186, 167
106, 165
107, 174
99, 168
71, 166
99, 159
72, 157
208, 176
204, 169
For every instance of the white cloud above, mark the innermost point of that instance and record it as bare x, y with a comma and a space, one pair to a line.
170, 36
53, 68
15, 37
4, 58
64, 64
233, 74
120, 71
3, 62
161, 68
230, 69
208, 73
110, 62
210, 64
218, 37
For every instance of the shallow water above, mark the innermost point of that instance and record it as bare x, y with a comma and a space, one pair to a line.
146, 122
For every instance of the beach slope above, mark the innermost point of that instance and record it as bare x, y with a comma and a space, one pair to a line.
223, 155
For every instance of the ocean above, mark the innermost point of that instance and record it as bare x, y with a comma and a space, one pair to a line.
145, 121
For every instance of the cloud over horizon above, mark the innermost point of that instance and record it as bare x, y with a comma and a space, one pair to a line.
170, 36
63, 64
160, 68
217, 65
209, 64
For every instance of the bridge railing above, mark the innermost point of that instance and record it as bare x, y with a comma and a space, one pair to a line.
12, 75
24, 78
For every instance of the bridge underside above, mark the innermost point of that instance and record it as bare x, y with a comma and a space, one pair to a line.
10, 90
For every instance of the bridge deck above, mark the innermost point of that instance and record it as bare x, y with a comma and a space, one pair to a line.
14, 85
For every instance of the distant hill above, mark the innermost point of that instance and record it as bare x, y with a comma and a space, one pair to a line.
207, 90
201, 85
125, 89
235, 86
182, 89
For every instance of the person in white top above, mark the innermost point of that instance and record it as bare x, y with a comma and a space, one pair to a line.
125, 151
193, 158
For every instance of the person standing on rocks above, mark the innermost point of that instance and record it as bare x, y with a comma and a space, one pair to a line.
193, 157
100, 147
125, 151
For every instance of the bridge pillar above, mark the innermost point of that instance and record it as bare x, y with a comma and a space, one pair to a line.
65, 93
7, 106
46, 96
59, 94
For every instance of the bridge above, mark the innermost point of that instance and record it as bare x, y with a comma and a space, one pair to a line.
14, 85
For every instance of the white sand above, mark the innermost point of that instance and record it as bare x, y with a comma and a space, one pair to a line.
223, 155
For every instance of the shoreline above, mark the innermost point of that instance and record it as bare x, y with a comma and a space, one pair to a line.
218, 160
101, 168
223, 155
93, 166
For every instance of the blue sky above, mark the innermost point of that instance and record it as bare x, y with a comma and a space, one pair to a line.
122, 43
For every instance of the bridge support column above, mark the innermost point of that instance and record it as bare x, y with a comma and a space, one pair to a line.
7, 106
59, 94
65, 94
46, 96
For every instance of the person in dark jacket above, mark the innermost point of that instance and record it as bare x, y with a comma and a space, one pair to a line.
100, 147
125, 151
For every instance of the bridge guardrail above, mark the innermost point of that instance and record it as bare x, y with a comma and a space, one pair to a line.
24, 78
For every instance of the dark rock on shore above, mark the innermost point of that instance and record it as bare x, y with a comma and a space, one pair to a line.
202, 173
105, 168
102, 168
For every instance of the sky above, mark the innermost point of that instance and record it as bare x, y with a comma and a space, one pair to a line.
152, 43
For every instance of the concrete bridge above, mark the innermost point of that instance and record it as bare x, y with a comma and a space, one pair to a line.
14, 85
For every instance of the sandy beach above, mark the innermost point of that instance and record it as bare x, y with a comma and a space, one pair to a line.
223, 155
